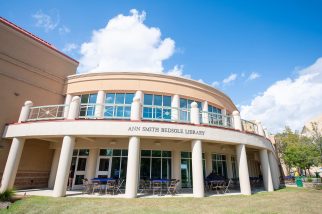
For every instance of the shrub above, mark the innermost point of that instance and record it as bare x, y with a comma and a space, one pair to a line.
6, 195
309, 179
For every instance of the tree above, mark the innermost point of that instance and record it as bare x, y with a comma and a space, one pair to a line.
295, 150
316, 136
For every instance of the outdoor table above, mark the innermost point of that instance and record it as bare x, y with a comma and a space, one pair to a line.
101, 180
162, 181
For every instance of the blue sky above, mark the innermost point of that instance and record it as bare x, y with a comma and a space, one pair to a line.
274, 40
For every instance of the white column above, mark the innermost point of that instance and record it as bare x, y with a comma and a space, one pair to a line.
136, 109
197, 172
243, 169
266, 171
260, 128
208, 157
25, 111
237, 121
91, 163
205, 116
133, 166
11, 168
63, 169
175, 108
74, 107
274, 169
140, 95
229, 166
176, 165
99, 108
53, 170
194, 113
68, 100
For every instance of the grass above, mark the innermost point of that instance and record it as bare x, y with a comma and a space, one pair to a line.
288, 200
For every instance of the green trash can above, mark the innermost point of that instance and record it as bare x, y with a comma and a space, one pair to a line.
298, 181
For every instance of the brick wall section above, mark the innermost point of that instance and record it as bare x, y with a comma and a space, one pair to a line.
31, 179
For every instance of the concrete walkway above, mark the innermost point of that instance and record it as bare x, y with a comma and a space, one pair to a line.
78, 193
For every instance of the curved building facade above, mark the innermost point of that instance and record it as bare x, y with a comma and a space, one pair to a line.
143, 126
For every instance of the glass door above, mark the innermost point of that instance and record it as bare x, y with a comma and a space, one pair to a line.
78, 168
103, 167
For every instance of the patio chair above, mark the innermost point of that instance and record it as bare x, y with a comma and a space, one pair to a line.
87, 187
143, 186
218, 186
96, 185
110, 187
172, 188
119, 184
157, 186
225, 188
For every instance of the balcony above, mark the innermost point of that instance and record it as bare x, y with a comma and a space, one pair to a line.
148, 113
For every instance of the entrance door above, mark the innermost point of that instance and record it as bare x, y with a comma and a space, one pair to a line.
186, 173
103, 167
79, 172
77, 168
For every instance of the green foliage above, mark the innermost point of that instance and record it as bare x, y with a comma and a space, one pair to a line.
297, 151
309, 179
6, 195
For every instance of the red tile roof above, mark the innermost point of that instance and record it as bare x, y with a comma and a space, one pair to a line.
34, 37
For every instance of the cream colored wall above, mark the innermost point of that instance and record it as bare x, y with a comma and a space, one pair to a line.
148, 83
28, 71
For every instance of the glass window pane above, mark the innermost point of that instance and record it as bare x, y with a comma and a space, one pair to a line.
79, 179
129, 98
146, 153
158, 113
83, 152
75, 152
166, 100
189, 103
92, 98
167, 114
183, 103
116, 152
166, 154
119, 99
145, 168
115, 170
147, 112
105, 152
81, 164
157, 100
90, 111
119, 111
156, 168
148, 99
166, 168
156, 153
127, 111
108, 111
109, 98
199, 105
185, 155
123, 167
124, 152
84, 98
104, 164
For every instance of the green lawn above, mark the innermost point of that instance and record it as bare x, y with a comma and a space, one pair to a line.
288, 200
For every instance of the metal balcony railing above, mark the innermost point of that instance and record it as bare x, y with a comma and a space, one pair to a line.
249, 126
49, 112
216, 119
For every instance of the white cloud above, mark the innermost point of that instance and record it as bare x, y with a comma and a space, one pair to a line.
253, 76
70, 47
127, 44
289, 102
47, 21
63, 30
230, 78
215, 84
